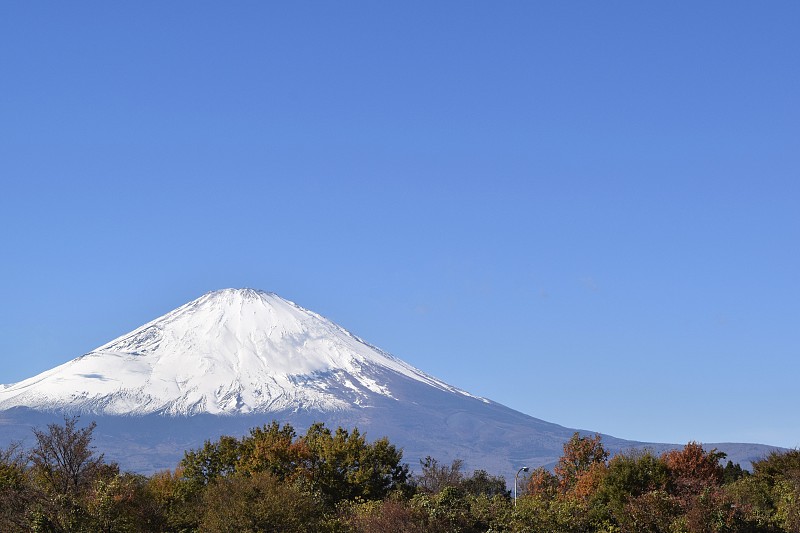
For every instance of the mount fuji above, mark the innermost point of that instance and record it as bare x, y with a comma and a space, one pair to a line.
229, 352
238, 358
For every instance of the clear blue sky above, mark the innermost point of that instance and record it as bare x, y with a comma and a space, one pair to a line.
587, 211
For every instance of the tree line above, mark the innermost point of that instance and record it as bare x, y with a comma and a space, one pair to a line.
325, 480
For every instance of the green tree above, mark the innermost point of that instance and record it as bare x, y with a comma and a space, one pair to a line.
631, 475
778, 477
343, 466
778, 465
563, 514
732, 472
121, 503
214, 459
633, 493
481, 483
754, 498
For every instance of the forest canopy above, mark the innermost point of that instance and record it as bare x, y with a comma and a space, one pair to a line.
274, 479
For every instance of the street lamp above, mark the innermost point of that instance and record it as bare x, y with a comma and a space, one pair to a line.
523, 469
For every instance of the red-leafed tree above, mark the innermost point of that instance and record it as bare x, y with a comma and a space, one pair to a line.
693, 469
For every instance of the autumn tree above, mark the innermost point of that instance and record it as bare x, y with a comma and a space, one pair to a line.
275, 449
64, 458
391, 514
337, 465
16, 495
258, 502
76, 490
696, 478
693, 469
435, 476
63, 469
542, 483
177, 500
581, 455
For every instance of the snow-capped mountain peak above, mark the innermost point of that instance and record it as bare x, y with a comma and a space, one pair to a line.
230, 351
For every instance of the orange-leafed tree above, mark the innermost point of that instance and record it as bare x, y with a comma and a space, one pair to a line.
274, 449
693, 469
696, 482
581, 456
542, 483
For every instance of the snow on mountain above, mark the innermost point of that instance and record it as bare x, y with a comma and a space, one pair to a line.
232, 351
254, 356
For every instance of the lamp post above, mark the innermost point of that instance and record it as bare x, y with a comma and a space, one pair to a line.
523, 469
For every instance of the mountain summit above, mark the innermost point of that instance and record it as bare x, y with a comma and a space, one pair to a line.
232, 351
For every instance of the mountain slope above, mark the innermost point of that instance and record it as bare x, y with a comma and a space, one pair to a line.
239, 358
